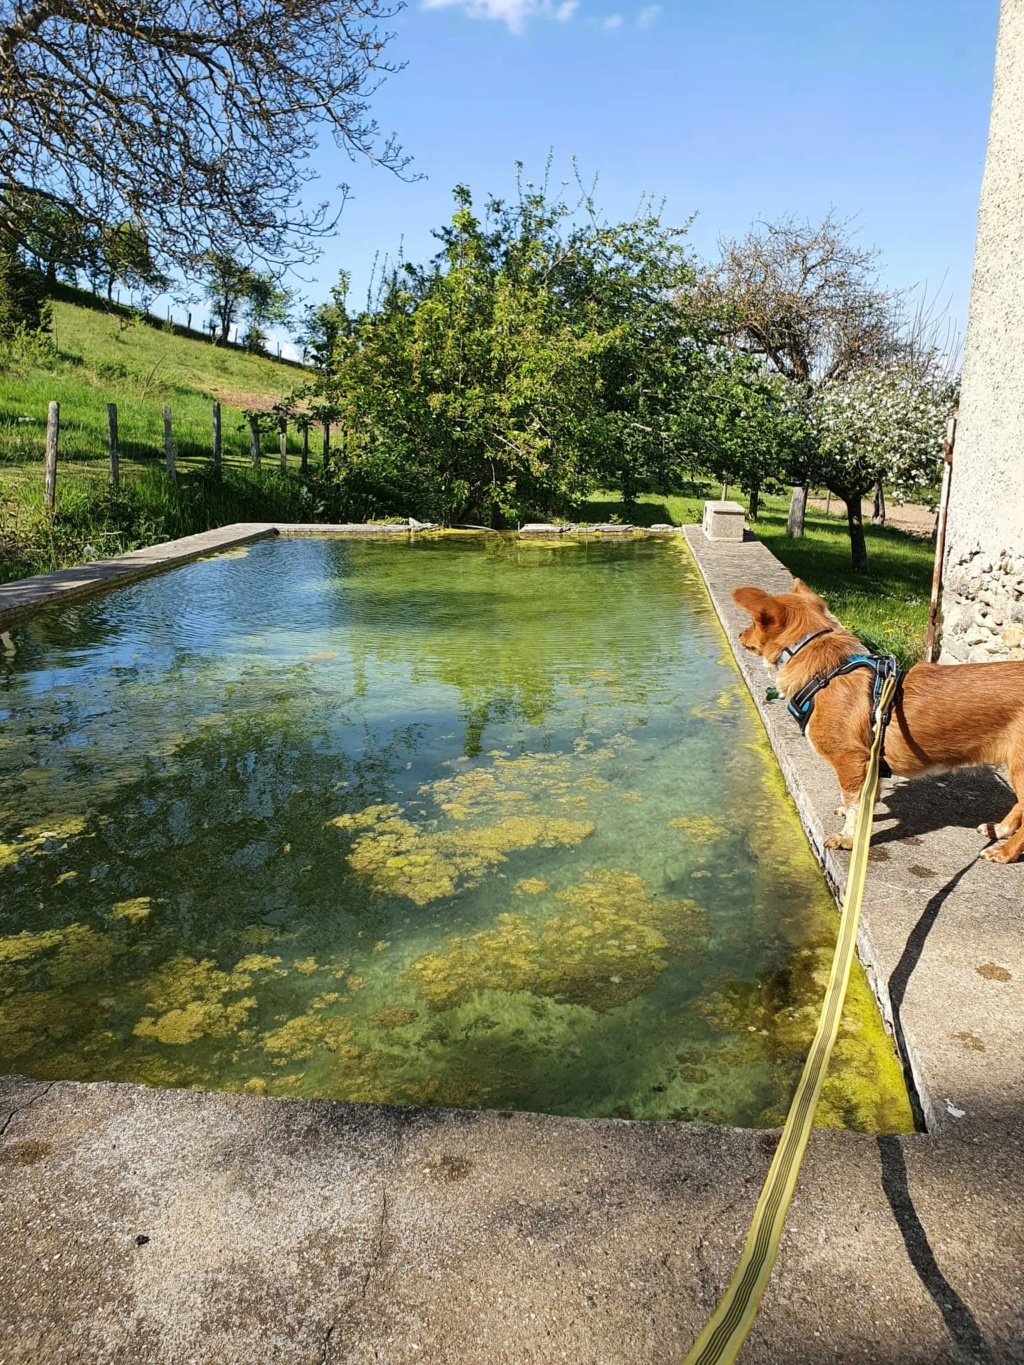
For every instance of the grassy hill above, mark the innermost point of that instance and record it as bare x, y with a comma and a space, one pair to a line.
104, 354
100, 354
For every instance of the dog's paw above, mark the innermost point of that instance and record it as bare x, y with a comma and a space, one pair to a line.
839, 841
1000, 853
988, 829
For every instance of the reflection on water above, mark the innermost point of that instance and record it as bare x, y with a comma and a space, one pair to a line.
464, 822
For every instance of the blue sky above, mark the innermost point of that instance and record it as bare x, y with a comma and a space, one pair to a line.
731, 109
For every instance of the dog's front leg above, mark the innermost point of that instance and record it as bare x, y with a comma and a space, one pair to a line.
851, 769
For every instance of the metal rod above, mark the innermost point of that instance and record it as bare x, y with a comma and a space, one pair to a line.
940, 541
168, 444
216, 438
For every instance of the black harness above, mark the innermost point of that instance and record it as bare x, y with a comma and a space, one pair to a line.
801, 707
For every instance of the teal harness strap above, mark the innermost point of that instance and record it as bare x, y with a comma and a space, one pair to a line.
883, 666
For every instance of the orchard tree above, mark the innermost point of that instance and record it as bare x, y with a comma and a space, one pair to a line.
24, 306
227, 282
267, 304
125, 258
883, 425
52, 238
748, 424
194, 119
807, 299
328, 340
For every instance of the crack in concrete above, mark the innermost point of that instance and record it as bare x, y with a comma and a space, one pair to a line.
377, 1255
20, 1108
327, 1343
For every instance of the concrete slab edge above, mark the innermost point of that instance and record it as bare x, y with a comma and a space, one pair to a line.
24, 596
794, 768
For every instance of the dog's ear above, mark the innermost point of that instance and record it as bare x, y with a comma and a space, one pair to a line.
800, 587
761, 605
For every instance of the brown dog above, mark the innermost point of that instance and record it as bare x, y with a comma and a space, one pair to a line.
946, 716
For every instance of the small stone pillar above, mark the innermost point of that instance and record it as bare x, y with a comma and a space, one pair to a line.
723, 521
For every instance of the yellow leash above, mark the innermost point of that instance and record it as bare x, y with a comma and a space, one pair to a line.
727, 1330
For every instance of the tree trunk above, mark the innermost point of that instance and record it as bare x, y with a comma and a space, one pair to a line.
754, 505
725, 490
878, 512
628, 489
797, 510
855, 521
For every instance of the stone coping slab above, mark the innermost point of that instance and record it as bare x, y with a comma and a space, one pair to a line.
178, 1227
25, 595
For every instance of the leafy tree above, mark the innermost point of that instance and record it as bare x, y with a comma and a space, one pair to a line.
541, 351
52, 237
266, 303
805, 298
228, 282
126, 258
192, 118
749, 424
23, 296
635, 279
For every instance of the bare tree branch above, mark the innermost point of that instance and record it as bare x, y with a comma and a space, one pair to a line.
194, 119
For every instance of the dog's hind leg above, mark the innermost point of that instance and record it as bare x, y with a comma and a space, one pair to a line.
1012, 828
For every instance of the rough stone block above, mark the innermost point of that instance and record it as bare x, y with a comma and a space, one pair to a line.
723, 521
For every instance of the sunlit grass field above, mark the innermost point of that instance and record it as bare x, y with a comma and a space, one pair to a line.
100, 357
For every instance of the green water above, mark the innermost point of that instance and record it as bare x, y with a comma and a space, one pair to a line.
468, 822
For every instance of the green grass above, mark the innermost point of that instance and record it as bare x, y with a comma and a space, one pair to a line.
95, 360
887, 607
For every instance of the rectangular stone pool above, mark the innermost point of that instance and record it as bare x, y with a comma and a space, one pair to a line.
465, 821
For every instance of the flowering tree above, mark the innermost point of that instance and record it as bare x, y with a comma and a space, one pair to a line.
881, 425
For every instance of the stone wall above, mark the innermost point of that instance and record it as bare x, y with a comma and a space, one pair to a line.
983, 604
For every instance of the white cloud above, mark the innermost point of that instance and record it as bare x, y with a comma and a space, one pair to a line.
647, 16
514, 13
613, 21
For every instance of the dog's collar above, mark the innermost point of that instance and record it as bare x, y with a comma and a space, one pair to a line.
792, 650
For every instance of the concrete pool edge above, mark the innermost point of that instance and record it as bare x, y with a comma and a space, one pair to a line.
916, 1002
23, 596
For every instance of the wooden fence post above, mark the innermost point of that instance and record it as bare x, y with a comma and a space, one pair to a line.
216, 438
327, 445
115, 472
284, 444
169, 444
254, 440
50, 470
305, 447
